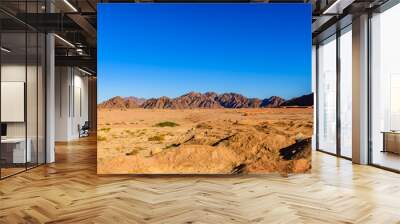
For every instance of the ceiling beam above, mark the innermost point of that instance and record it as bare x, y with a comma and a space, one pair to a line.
338, 6
86, 26
77, 61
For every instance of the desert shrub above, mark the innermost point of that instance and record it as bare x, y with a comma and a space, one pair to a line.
174, 145
129, 132
138, 148
204, 126
166, 124
158, 138
105, 129
131, 153
101, 138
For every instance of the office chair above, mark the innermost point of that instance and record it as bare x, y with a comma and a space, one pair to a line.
84, 130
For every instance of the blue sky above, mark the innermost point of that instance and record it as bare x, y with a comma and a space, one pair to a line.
153, 50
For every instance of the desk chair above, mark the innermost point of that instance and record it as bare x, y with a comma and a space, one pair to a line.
84, 130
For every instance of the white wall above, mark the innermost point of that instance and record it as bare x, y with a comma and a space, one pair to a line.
61, 103
80, 111
71, 102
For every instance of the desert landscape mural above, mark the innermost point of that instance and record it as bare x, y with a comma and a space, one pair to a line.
178, 94
205, 134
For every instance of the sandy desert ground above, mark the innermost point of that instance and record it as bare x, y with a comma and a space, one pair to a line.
202, 141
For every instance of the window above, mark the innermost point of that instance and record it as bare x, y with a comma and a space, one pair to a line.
22, 89
346, 92
327, 95
385, 89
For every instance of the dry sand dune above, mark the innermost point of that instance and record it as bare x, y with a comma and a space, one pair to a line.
207, 141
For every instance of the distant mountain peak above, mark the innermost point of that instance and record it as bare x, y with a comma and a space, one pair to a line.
119, 102
138, 100
192, 100
273, 101
304, 100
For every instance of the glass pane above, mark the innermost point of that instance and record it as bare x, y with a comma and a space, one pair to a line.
385, 84
13, 87
346, 94
23, 90
31, 100
327, 96
41, 98
31, 86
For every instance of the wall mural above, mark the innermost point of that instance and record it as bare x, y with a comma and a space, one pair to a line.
204, 88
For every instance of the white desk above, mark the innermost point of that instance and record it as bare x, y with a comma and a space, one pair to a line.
19, 154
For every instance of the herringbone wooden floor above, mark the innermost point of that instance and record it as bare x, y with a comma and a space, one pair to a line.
69, 191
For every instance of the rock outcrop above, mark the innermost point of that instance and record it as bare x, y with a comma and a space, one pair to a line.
273, 101
119, 103
304, 101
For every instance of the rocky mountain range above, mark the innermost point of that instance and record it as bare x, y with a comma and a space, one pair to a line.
205, 100
121, 102
305, 100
